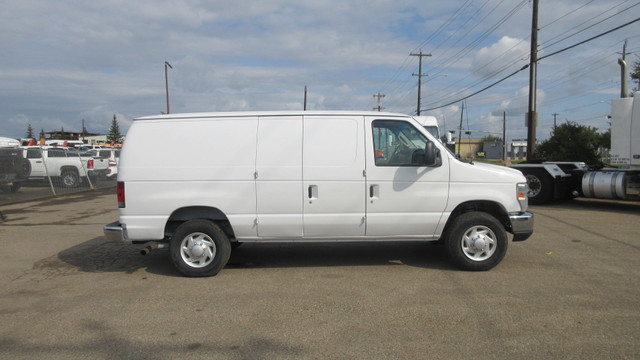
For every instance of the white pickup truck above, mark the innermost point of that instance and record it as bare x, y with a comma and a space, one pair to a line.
66, 166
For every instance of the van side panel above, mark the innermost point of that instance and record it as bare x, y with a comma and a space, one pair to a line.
279, 177
216, 170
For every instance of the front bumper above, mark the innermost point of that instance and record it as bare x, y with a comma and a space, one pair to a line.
521, 225
115, 232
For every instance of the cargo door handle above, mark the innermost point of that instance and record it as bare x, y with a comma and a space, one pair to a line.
313, 192
374, 191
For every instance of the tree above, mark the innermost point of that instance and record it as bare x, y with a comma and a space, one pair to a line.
605, 139
29, 133
114, 131
635, 74
571, 142
41, 134
491, 138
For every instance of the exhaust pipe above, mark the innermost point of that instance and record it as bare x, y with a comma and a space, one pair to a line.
152, 246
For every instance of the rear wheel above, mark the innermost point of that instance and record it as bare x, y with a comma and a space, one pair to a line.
476, 241
540, 186
23, 168
199, 248
70, 179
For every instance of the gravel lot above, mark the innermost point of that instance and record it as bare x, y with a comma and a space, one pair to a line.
571, 291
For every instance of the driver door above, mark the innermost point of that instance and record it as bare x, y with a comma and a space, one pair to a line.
404, 197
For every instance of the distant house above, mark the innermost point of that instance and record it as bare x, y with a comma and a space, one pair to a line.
87, 138
492, 149
65, 135
517, 149
468, 148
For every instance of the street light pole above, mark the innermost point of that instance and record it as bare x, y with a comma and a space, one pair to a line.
166, 82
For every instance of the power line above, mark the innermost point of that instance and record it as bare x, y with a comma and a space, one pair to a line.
481, 90
592, 38
590, 26
539, 59
567, 14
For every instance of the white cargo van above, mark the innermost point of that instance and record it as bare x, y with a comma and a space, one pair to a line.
430, 123
308, 176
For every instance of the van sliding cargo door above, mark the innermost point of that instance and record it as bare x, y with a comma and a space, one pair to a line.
333, 176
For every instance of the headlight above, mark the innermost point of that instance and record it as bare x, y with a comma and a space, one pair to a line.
521, 190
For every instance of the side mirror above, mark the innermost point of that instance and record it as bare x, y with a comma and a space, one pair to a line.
432, 155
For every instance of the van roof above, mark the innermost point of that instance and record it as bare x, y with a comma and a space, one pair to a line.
269, 114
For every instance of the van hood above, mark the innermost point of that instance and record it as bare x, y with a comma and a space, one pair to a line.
480, 172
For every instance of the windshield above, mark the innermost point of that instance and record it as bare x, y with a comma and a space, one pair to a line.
433, 130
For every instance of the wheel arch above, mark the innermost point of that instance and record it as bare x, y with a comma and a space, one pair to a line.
185, 214
66, 168
490, 207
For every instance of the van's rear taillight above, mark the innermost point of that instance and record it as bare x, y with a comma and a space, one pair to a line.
120, 192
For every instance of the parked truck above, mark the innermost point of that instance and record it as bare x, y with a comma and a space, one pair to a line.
67, 167
550, 181
14, 169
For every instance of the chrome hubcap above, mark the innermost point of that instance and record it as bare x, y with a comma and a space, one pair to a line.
478, 243
197, 250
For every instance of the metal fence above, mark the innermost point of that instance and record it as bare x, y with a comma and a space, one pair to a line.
60, 171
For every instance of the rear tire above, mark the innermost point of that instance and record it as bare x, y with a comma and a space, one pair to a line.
199, 248
476, 241
70, 179
23, 168
540, 186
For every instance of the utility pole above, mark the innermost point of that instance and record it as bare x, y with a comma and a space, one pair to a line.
532, 115
504, 136
460, 131
554, 120
419, 75
379, 96
623, 71
305, 98
166, 82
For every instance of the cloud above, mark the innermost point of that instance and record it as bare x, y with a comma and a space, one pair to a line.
66, 61
500, 56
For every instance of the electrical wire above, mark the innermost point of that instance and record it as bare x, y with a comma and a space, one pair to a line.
539, 59
588, 27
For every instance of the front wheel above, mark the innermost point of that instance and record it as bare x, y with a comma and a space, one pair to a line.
199, 248
476, 241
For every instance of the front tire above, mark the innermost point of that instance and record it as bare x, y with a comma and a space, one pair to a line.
476, 241
199, 248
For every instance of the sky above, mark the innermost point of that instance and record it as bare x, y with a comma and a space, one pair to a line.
65, 62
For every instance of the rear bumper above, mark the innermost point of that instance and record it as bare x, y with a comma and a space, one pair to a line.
115, 232
521, 225
99, 173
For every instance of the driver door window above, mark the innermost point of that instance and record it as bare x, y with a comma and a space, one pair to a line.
398, 143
